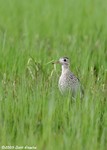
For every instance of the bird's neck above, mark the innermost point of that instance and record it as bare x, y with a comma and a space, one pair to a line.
65, 68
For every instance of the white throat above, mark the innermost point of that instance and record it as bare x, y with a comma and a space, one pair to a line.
65, 68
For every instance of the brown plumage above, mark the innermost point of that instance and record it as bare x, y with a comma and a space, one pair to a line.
68, 82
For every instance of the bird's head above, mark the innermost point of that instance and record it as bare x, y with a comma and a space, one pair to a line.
64, 61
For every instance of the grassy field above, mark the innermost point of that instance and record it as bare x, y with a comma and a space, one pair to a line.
32, 110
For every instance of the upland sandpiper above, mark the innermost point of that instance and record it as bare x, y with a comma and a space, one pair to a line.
68, 82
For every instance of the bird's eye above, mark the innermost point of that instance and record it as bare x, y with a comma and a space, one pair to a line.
64, 59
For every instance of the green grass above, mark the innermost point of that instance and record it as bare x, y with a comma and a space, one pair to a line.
32, 110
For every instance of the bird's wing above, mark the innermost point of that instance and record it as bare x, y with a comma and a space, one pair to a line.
74, 78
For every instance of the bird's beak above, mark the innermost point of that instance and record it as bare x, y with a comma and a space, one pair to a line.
56, 62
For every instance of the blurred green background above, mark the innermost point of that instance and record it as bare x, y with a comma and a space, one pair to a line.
32, 110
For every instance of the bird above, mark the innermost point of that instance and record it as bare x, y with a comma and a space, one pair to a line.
68, 82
